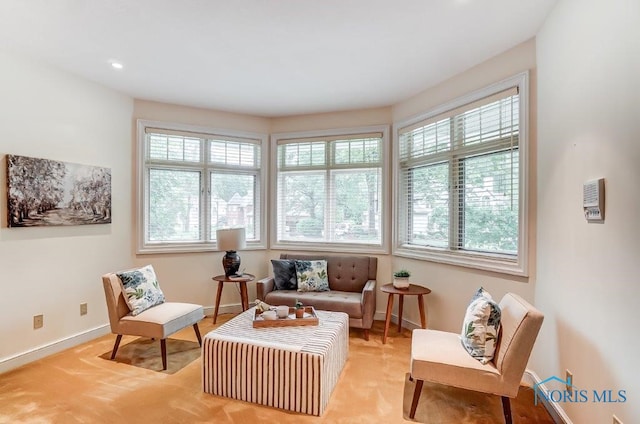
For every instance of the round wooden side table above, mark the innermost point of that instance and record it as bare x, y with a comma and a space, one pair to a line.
412, 290
242, 282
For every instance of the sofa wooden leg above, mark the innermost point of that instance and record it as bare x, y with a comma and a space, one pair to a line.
506, 408
116, 345
197, 330
366, 334
163, 349
416, 398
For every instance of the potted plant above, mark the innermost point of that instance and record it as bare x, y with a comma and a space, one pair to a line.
401, 279
299, 309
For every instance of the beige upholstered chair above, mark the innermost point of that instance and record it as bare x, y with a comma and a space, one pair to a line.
157, 322
439, 357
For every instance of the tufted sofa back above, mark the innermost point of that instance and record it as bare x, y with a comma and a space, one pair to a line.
345, 273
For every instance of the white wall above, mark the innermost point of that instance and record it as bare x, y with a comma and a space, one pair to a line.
332, 120
589, 124
452, 287
47, 113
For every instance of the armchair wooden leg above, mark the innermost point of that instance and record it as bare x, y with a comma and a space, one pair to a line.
416, 398
506, 408
163, 349
366, 334
116, 345
197, 330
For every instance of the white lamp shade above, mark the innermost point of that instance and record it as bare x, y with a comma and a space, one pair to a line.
231, 239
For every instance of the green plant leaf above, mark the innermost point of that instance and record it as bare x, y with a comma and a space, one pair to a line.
469, 329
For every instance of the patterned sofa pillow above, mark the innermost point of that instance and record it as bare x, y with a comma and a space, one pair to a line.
284, 274
141, 289
312, 276
481, 326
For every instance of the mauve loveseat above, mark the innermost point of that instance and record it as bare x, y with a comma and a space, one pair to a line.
352, 284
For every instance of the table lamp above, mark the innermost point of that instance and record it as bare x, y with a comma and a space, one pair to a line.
231, 240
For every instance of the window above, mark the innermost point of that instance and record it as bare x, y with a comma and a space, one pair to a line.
194, 181
330, 189
460, 174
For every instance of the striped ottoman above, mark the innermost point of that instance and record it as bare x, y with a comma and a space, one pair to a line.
293, 368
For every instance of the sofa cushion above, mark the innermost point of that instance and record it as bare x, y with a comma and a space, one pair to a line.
345, 273
480, 326
140, 289
312, 276
284, 274
336, 301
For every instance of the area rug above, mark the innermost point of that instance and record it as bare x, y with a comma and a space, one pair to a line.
145, 353
449, 405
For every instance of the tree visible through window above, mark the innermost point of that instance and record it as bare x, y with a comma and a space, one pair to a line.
329, 189
459, 178
196, 183
174, 205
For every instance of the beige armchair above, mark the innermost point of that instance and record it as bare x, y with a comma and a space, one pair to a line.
157, 322
439, 357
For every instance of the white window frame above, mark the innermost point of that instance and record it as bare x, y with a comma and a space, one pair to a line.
505, 264
385, 210
142, 195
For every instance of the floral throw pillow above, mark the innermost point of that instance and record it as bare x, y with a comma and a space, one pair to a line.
141, 289
312, 276
480, 326
284, 274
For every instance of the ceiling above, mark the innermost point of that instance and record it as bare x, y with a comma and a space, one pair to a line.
268, 58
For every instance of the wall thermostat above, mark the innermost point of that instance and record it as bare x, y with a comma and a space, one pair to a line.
593, 200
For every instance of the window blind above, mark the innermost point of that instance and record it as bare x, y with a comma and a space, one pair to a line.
195, 183
459, 178
329, 189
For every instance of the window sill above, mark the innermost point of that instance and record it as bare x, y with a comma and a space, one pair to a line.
329, 247
188, 248
495, 263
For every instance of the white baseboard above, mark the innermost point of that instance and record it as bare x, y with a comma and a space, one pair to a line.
39, 352
410, 325
56, 346
15, 361
554, 409
233, 308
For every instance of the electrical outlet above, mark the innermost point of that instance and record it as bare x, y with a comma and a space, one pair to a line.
38, 321
616, 420
83, 309
569, 380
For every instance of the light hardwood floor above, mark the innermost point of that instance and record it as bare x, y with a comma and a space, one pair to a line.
81, 385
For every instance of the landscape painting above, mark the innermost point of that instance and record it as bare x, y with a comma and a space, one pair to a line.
44, 192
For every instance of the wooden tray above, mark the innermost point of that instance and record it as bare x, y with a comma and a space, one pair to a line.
287, 322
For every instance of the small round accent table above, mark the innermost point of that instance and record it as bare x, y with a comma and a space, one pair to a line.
242, 282
412, 290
